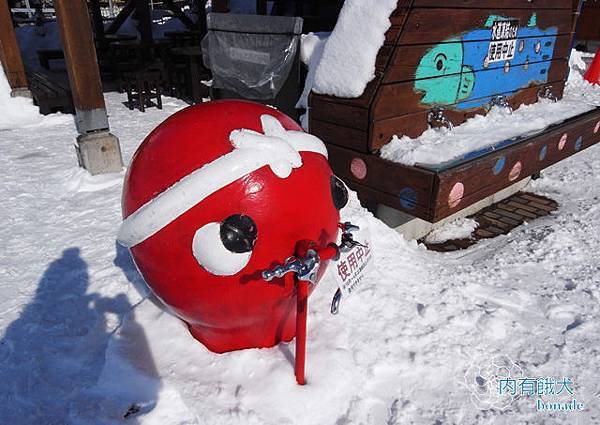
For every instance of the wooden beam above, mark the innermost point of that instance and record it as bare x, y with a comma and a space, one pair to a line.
10, 55
121, 17
98, 151
189, 24
82, 65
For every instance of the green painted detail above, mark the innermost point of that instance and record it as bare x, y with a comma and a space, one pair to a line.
493, 18
444, 60
533, 21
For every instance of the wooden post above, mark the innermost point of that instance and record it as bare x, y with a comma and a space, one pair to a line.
144, 17
10, 55
200, 6
98, 150
96, 12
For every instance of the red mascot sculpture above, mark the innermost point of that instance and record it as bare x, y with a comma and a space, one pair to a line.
216, 196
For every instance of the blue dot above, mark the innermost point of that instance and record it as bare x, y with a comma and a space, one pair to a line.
543, 152
499, 165
579, 143
408, 198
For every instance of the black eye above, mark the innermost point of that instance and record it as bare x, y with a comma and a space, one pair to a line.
440, 61
339, 193
238, 233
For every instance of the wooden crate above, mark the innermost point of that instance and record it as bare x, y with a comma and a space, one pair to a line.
435, 56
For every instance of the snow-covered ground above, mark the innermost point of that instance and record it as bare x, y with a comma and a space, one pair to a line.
82, 341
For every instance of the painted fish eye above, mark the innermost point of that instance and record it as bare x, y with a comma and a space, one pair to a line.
225, 248
238, 233
339, 193
440, 61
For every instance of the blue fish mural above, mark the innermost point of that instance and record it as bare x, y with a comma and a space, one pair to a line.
458, 71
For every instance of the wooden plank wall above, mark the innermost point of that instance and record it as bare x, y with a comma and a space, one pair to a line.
391, 105
395, 102
589, 22
433, 196
485, 176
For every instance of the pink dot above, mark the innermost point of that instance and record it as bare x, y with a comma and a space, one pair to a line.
515, 172
597, 128
358, 168
563, 141
456, 195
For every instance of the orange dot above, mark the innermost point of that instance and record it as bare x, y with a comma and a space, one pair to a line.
515, 172
456, 195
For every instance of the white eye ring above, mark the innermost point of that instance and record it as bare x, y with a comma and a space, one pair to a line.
211, 254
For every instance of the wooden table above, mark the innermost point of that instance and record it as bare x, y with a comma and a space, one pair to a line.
193, 56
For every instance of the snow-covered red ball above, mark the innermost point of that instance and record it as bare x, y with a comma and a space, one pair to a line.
216, 194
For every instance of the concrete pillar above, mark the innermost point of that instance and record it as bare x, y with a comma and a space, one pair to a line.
98, 150
10, 55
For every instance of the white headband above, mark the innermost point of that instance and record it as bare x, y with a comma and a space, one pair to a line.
277, 147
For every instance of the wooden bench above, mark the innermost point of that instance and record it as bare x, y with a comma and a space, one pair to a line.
433, 69
49, 95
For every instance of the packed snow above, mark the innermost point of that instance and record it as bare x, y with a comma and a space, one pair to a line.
461, 228
82, 341
439, 145
17, 112
348, 62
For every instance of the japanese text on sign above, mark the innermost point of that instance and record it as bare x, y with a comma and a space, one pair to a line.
504, 41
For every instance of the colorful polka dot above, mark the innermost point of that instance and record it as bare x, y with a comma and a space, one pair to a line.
499, 165
563, 141
408, 198
543, 153
597, 128
515, 172
358, 168
456, 195
579, 143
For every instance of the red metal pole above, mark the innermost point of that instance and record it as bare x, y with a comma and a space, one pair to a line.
301, 313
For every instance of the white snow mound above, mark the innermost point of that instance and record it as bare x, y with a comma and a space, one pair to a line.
348, 62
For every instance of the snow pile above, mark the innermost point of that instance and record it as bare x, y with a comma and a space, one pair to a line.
436, 146
311, 52
82, 341
16, 112
348, 62
458, 229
